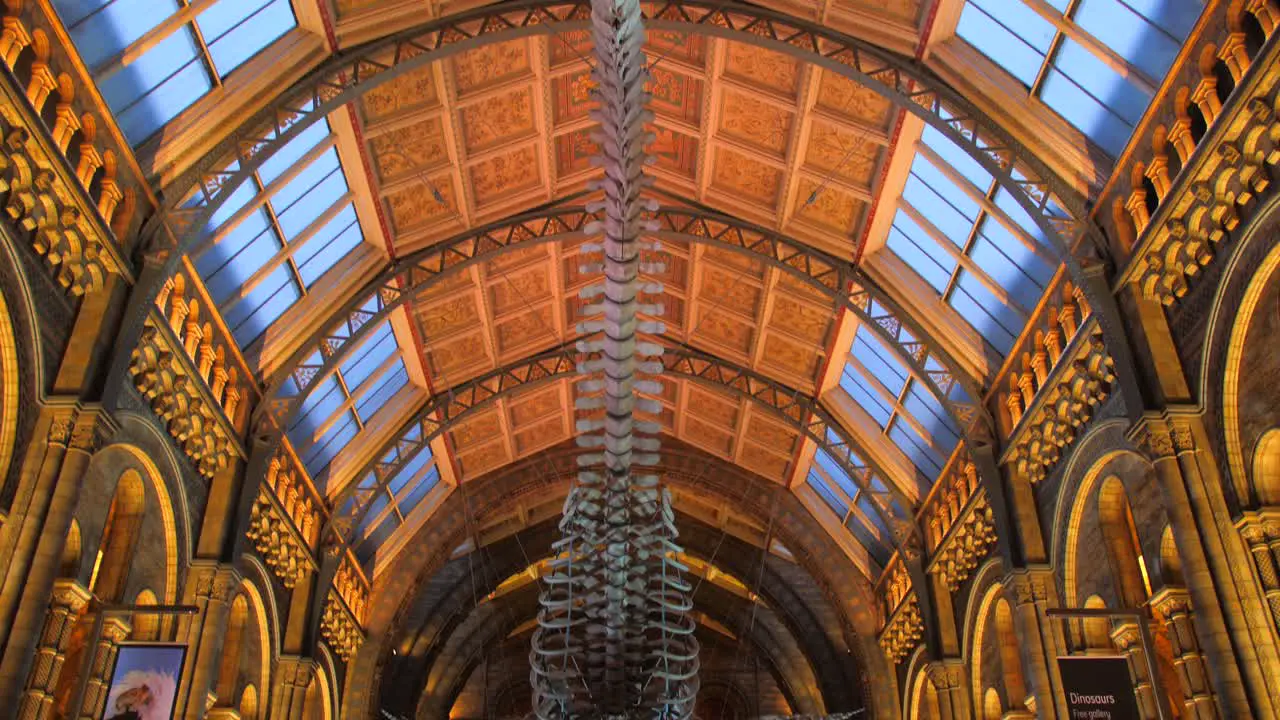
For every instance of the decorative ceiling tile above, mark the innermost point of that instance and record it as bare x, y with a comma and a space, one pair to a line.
800, 287
718, 410
547, 433
903, 11
489, 65
448, 360
499, 176
729, 291
532, 406
574, 151
414, 90
771, 435
675, 151
530, 328
571, 96
483, 459
708, 436
846, 98
517, 290
831, 208
740, 262
790, 356
675, 95
497, 119
405, 150
414, 205
512, 259
571, 46
754, 121
481, 429
725, 330
770, 69
842, 152
764, 462
350, 7
738, 174
447, 317
690, 48
801, 320
445, 285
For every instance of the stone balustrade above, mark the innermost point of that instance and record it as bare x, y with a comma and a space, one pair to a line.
68, 174
340, 628
1202, 157
188, 368
948, 498
971, 537
903, 631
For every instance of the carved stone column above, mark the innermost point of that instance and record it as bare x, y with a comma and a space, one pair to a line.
1128, 640
114, 631
1261, 533
948, 678
210, 587
69, 599
53, 475
1174, 606
1215, 570
1040, 639
289, 691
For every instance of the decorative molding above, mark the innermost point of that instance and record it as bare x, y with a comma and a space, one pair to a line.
903, 631
972, 537
339, 627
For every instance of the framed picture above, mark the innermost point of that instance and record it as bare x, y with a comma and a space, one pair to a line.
144, 682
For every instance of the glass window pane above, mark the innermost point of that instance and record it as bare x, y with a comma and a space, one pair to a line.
236, 30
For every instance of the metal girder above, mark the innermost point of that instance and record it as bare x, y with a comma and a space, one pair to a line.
839, 280
801, 412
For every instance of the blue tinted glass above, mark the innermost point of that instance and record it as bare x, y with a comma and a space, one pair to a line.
327, 253
276, 165
836, 473
975, 303
262, 306
236, 30
318, 456
316, 408
879, 361
838, 505
923, 256
855, 384
152, 90
410, 470
101, 29
387, 387
377, 347
926, 410
925, 458
368, 550
419, 491
958, 159
1002, 39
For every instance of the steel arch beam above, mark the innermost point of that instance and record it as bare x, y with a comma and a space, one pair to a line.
840, 281
444, 410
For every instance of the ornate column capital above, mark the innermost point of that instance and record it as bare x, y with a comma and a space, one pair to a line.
71, 594
1172, 601
1126, 636
1154, 438
946, 674
214, 581
295, 670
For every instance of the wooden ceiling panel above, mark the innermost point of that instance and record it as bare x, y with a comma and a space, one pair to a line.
478, 431
525, 333
519, 289
827, 206
846, 154
791, 358
457, 360
574, 151
800, 319
443, 319
571, 96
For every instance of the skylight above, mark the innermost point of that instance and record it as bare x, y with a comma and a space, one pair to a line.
278, 234
153, 58
856, 510
1097, 63
971, 241
395, 503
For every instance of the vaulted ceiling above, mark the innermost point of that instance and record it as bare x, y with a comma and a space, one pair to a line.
753, 136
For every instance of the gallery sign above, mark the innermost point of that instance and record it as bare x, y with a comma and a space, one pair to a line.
1098, 688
